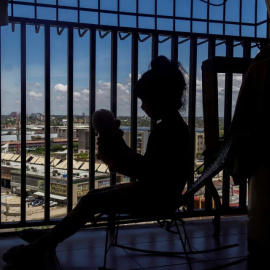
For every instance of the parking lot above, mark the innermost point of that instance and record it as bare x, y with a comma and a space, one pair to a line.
11, 203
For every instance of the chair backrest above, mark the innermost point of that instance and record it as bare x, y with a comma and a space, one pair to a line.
212, 170
210, 70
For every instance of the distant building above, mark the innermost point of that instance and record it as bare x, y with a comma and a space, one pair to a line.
83, 140
33, 116
39, 116
13, 114
142, 138
199, 143
35, 180
86, 119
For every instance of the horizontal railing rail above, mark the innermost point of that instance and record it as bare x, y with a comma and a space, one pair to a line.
123, 14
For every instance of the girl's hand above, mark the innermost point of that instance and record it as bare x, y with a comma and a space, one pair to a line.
110, 147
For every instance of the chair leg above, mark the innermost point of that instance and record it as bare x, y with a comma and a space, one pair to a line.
106, 248
184, 242
216, 221
112, 233
185, 233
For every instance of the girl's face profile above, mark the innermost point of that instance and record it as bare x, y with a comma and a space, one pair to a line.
144, 107
151, 109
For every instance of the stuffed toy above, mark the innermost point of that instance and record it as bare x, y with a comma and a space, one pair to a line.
108, 129
104, 121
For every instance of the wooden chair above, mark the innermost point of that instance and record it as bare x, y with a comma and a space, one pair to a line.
210, 70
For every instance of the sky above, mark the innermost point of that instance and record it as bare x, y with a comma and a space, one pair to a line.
10, 55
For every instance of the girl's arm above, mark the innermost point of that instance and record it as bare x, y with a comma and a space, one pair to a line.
119, 157
130, 164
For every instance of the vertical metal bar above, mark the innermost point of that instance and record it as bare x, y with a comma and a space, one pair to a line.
78, 13
227, 121
228, 89
113, 84
1, 116
240, 18
35, 5
224, 18
267, 24
154, 55
174, 47
211, 53
57, 10
118, 13
256, 17
243, 185
211, 47
208, 14
98, 12
92, 107
191, 16
23, 122
47, 79
154, 46
192, 103
246, 49
12, 9
174, 14
134, 103
155, 14
137, 14
114, 72
70, 121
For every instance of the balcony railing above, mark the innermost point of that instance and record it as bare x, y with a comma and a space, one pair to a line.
189, 47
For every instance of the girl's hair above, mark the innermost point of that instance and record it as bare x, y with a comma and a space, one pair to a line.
163, 82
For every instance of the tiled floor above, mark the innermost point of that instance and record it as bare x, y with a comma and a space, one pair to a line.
85, 249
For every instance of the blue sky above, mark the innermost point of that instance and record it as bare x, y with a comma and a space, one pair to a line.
10, 64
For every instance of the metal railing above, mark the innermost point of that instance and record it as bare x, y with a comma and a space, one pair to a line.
194, 41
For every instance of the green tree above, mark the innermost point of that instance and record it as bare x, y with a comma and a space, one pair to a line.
75, 147
57, 147
82, 156
39, 150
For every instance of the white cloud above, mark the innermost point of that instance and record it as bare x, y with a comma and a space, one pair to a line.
35, 100
60, 87
37, 84
35, 94
85, 92
76, 96
60, 98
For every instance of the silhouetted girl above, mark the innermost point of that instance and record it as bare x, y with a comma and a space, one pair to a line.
161, 173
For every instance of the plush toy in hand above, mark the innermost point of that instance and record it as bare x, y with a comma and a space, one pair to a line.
110, 136
104, 121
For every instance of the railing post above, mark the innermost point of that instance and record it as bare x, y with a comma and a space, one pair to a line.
113, 85
47, 87
208, 196
192, 103
134, 102
1, 113
174, 48
227, 122
92, 107
154, 55
23, 122
70, 121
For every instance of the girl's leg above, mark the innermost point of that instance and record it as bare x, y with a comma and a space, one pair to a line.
97, 201
102, 201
